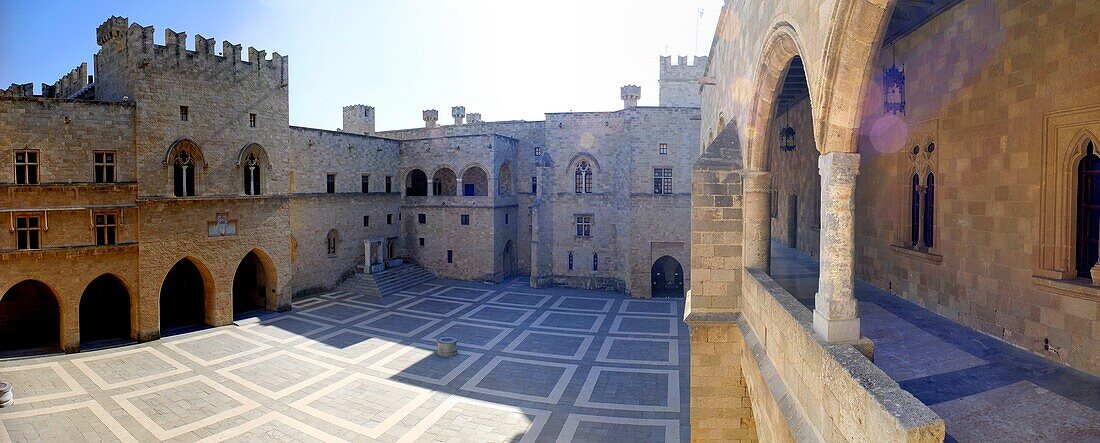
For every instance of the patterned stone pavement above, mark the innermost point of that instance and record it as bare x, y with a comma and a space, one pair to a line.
985, 389
547, 365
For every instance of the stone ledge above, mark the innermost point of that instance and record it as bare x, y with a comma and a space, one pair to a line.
926, 257
1076, 288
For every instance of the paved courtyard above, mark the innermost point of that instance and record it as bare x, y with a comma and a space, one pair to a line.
534, 365
985, 389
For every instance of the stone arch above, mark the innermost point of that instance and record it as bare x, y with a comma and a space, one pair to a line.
781, 46
252, 160
475, 181
186, 296
666, 277
444, 181
183, 160
416, 183
1076, 157
106, 309
254, 282
332, 242
577, 178
505, 179
30, 317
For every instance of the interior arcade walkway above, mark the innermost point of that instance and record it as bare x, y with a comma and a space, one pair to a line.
983, 388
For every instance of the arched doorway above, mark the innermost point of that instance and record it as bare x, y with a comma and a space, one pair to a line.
509, 260
104, 311
183, 298
416, 183
667, 277
250, 285
30, 318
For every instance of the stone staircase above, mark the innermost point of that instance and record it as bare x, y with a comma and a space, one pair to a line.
388, 281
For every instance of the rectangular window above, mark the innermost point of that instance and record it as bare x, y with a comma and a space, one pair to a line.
595, 262
330, 184
421, 241
421, 218
662, 180
534, 185
664, 149
366, 183
27, 233
505, 218
26, 167
450, 256
538, 151
389, 219
104, 166
389, 183
105, 229
570, 260
366, 220
251, 120
465, 219
183, 113
584, 226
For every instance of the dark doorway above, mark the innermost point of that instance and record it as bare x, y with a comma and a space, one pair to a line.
104, 312
416, 184
667, 277
182, 299
792, 221
249, 285
30, 319
509, 260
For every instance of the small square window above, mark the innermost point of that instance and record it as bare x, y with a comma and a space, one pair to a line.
465, 218
538, 151
330, 184
421, 241
27, 233
184, 113
105, 229
422, 218
389, 219
664, 149
584, 225
251, 120
450, 256
366, 220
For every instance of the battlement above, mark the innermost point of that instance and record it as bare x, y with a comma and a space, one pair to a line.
67, 86
359, 119
680, 82
630, 95
682, 70
431, 116
118, 34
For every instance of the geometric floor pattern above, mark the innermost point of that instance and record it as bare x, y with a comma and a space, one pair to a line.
554, 364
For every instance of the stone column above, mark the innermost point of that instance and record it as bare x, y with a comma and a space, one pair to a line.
431, 187
758, 221
835, 310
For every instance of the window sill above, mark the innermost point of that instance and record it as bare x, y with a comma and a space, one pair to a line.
1076, 287
926, 257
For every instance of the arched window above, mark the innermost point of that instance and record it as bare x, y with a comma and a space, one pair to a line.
914, 199
251, 175
331, 242
583, 178
929, 209
183, 174
1088, 211
595, 261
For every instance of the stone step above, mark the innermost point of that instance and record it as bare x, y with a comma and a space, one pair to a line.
388, 281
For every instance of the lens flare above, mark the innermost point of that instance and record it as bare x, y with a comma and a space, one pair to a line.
888, 134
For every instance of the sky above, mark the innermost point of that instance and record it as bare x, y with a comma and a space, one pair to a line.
507, 59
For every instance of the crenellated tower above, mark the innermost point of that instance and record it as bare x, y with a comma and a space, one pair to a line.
680, 82
359, 119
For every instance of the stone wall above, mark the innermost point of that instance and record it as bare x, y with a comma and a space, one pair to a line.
795, 174
680, 82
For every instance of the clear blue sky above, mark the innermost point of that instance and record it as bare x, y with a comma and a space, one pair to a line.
508, 59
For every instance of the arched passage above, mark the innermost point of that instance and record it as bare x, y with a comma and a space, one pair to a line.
30, 317
104, 310
475, 182
416, 183
252, 283
183, 297
444, 182
667, 277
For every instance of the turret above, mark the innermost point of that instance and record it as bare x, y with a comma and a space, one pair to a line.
473, 117
431, 116
459, 113
630, 94
359, 119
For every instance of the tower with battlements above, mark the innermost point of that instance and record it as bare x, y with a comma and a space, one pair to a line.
680, 82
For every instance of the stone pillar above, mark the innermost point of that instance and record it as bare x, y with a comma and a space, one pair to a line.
219, 311
70, 327
835, 310
758, 221
431, 187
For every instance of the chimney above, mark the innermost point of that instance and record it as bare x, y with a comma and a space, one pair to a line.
473, 117
459, 113
630, 95
359, 119
430, 117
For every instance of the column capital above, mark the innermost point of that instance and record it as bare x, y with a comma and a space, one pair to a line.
757, 181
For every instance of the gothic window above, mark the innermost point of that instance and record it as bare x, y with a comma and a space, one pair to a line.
921, 196
26, 167
105, 229
331, 242
1088, 211
583, 179
251, 175
27, 233
183, 174
662, 180
584, 226
104, 166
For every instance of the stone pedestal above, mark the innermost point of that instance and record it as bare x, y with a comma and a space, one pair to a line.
6, 395
446, 347
758, 223
835, 310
